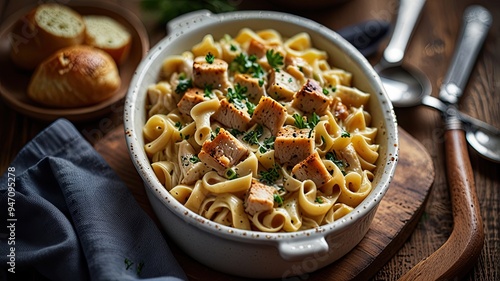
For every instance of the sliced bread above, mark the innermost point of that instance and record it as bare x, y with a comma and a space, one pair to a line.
108, 35
44, 30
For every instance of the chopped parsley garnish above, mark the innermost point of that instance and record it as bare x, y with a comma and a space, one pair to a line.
207, 92
278, 199
233, 48
271, 175
214, 133
267, 145
231, 174
332, 156
299, 121
326, 92
303, 123
236, 132
253, 136
275, 59
184, 84
345, 134
210, 58
318, 200
314, 120
178, 125
194, 159
247, 64
238, 97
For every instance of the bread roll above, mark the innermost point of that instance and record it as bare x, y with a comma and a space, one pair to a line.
75, 76
107, 34
44, 30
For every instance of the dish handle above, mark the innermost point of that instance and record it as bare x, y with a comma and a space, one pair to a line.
190, 19
300, 250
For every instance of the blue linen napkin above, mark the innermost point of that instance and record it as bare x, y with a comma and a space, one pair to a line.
71, 217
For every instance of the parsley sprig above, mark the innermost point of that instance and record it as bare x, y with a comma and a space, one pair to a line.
210, 58
303, 122
247, 65
275, 59
238, 97
270, 176
332, 156
184, 84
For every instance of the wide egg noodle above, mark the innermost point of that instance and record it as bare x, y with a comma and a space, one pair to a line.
346, 146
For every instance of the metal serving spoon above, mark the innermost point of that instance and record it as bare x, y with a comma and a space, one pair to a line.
408, 87
483, 137
403, 83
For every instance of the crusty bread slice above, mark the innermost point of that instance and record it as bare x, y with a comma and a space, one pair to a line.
60, 21
44, 30
108, 35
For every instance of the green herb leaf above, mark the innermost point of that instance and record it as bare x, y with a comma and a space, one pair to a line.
318, 200
253, 136
267, 145
299, 121
270, 176
345, 134
275, 59
313, 121
332, 156
207, 92
231, 174
278, 199
184, 84
194, 159
247, 64
210, 58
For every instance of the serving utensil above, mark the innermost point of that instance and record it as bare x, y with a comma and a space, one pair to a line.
407, 87
458, 254
403, 83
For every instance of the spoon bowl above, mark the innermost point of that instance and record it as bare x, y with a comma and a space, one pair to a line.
485, 144
406, 87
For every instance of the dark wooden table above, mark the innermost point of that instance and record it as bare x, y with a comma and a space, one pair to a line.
430, 50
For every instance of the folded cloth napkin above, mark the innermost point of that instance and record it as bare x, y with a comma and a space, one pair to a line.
69, 216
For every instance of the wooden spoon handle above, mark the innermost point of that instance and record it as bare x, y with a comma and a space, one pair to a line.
458, 254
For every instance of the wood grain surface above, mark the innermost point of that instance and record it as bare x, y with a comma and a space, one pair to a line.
395, 220
430, 50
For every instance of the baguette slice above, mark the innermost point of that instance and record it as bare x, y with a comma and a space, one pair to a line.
108, 35
75, 76
44, 30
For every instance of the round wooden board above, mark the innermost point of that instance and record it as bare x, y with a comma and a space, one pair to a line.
396, 217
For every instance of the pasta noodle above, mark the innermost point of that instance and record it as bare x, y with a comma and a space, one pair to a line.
260, 132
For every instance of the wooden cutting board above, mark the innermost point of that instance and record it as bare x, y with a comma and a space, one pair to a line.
396, 218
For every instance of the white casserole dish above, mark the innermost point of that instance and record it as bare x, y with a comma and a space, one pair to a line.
251, 253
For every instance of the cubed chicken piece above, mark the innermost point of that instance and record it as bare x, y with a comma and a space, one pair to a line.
223, 152
310, 98
191, 97
191, 169
269, 113
340, 110
312, 168
260, 197
293, 145
232, 117
350, 156
282, 85
256, 48
254, 90
210, 74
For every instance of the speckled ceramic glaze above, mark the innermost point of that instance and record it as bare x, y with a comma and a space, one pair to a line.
251, 253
